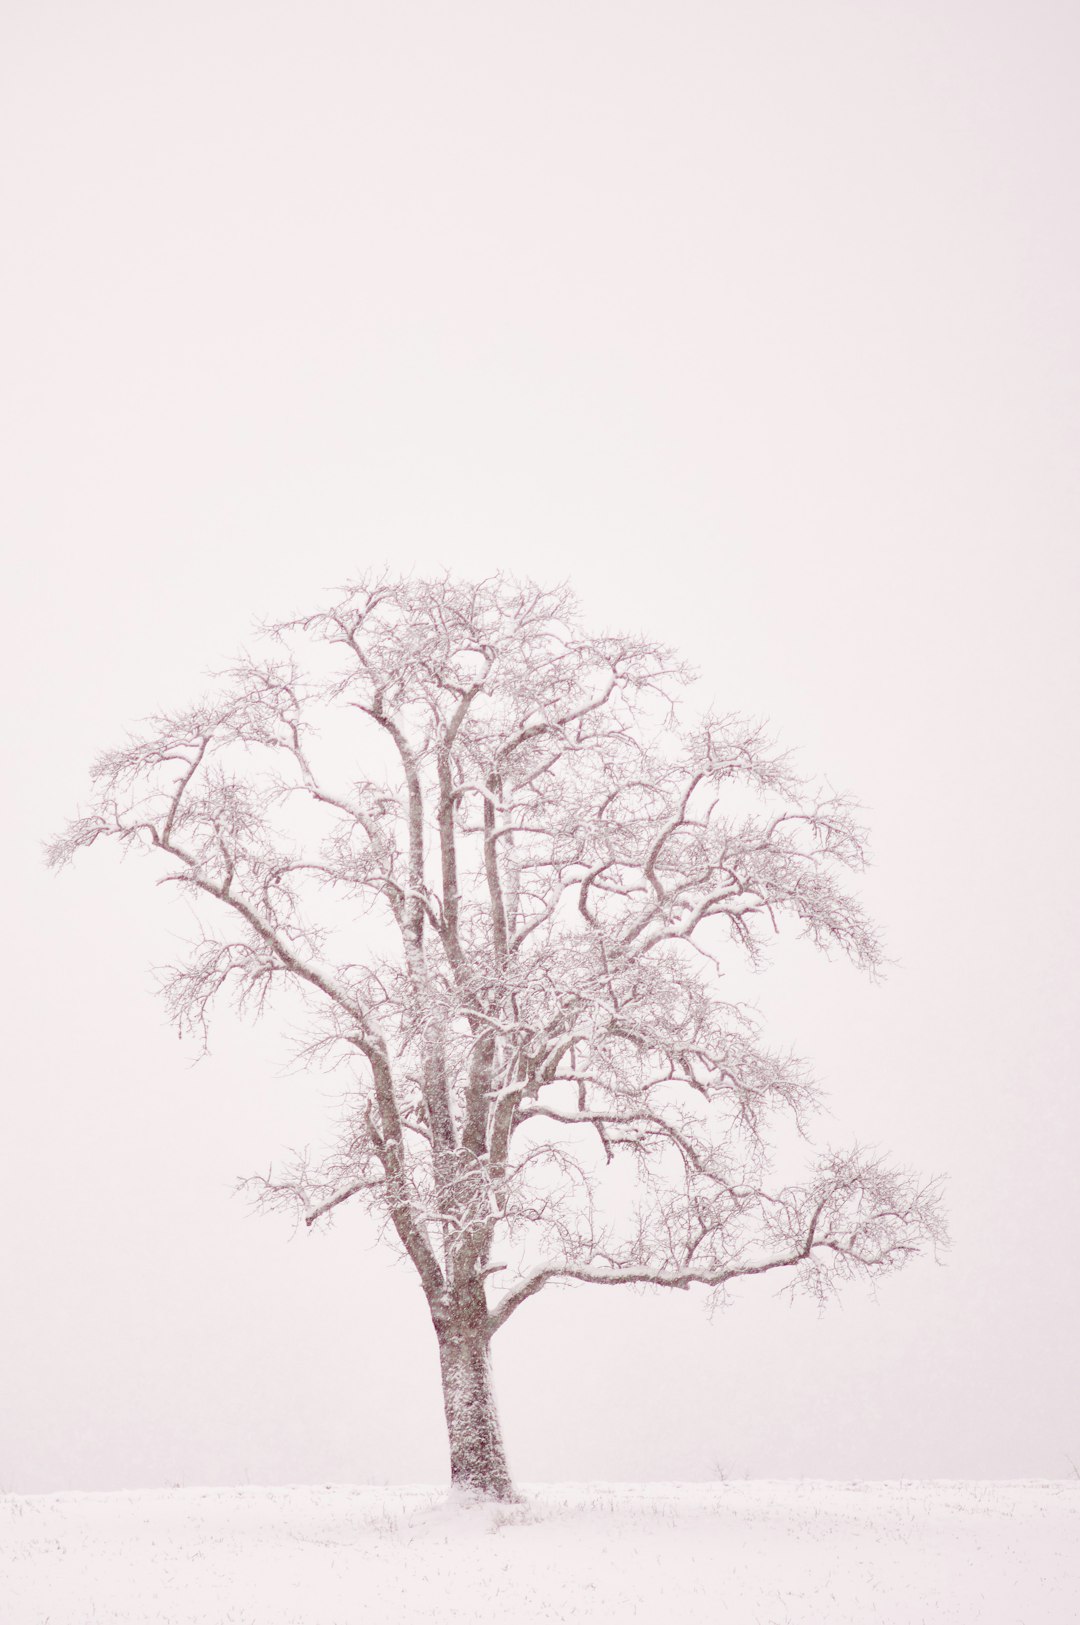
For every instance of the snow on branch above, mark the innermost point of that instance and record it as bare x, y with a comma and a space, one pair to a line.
506, 871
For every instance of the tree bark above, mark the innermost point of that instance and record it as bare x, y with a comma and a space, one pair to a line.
478, 1465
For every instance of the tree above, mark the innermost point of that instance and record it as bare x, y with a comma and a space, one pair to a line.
502, 867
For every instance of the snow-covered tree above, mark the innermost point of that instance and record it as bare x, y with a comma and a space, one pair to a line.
503, 868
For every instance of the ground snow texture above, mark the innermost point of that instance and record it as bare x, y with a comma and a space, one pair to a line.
752, 1553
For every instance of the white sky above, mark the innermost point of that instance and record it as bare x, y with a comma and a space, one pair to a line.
759, 321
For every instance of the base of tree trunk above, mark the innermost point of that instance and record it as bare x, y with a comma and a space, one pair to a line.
478, 1467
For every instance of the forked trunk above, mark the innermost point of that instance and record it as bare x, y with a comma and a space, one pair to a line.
477, 1458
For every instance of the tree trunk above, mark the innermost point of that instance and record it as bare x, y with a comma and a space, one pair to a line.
477, 1459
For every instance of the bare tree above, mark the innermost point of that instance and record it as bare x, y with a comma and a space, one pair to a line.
503, 871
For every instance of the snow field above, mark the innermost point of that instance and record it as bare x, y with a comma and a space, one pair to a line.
749, 1552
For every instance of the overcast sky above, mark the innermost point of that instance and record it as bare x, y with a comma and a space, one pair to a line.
759, 322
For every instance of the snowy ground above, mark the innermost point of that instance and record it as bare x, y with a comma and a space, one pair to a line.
755, 1553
